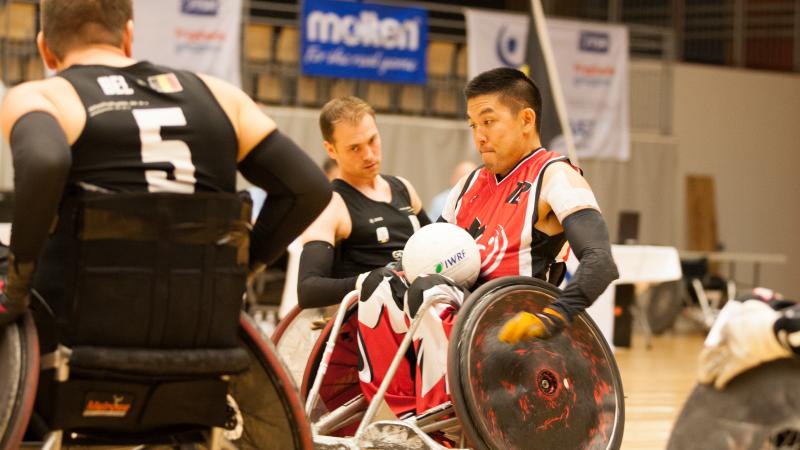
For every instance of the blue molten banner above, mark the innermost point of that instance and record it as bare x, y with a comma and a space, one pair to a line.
359, 40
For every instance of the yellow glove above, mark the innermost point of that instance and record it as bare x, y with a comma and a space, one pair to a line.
525, 325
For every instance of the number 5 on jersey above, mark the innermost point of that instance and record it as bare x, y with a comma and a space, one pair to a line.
172, 151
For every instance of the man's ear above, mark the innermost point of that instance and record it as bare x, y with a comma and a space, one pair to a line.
127, 39
48, 57
330, 149
528, 118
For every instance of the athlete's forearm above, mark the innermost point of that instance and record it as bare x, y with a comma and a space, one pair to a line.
587, 234
315, 286
42, 161
297, 191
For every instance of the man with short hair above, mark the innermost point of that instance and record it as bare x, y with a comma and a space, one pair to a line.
521, 207
109, 124
527, 202
364, 228
370, 217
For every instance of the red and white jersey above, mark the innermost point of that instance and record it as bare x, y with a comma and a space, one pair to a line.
500, 215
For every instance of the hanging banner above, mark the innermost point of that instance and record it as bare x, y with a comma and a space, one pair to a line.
360, 40
592, 63
198, 35
495, 39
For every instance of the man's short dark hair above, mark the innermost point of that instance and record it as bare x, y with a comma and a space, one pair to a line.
68, 24
515, 89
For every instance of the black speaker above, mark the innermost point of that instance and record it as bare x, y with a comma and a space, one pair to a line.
628, 227
623, 316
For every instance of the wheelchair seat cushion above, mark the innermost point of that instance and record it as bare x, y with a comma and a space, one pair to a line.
183, 362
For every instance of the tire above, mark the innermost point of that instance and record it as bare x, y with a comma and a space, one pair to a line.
19, 370
751, 413
666, 302
495, 388
267, 398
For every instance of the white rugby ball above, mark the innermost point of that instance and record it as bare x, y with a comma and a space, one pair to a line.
445, 249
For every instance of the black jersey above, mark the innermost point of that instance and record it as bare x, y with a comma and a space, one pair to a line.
379, 231
150, 129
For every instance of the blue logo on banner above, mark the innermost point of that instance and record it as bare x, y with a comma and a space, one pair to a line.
594, 41
509, 48
200, 7
358, 40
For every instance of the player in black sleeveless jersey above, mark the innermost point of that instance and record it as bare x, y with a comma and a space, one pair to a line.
370, 217
111, 124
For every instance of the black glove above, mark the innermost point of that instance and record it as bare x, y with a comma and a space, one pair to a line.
15, 298
12, 309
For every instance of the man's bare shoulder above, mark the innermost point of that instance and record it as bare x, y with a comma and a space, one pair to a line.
332, 225
53, 95
249, 122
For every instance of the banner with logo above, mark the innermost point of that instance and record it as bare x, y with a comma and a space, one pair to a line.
495, 39
198, 35
359, 40
592, 63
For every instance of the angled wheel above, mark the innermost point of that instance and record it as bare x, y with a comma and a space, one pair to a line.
564, 392
295, 337
271, 413
757, 410
666, 302
19, 370
340, 383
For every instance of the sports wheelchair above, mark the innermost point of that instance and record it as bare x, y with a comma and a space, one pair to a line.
565, 392
135, 335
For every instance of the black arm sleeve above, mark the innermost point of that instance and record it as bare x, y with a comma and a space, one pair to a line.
788, 324
423, 218
42, 160
588, 237
315, 286
297, 191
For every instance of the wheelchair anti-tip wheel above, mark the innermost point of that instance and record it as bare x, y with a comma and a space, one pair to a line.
560, 393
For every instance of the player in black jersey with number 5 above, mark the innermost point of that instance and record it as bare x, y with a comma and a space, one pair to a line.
108, 123
370, 217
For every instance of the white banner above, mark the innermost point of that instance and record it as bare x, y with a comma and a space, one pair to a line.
592, 63
198, 35
495, 40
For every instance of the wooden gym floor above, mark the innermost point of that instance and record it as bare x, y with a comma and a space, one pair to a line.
656, 382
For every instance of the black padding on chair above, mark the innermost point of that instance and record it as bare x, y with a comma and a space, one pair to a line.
83, 405
154, 270
161, 362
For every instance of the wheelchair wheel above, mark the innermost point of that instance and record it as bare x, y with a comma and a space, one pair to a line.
758, 410
19, 370
294, 338
340, 383
666, 302
272, 414
564, 392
